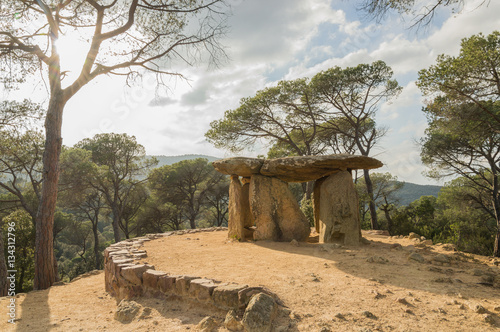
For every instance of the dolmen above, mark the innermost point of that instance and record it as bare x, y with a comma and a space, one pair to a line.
259, 196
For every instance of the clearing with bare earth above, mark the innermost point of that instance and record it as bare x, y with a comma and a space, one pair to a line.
390, 284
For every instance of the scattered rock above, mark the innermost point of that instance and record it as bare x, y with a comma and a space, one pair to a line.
146, 313
449, 247
402, 300
207, 324
396, 246
260, 313
443, 280
126, 311
339, 316
477, 308
441, 310
488, 278
294, 243
231, 322
442, 258
476, 272
413, 236
377, 259
489, 318
416, 257
497, 308
378, 296
368, 314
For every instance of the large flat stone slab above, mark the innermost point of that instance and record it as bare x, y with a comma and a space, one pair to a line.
309, 168
238, 166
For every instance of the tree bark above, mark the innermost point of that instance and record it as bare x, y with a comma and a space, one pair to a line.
371, 202
97, 256
496, 248
192, 223
116, 225
45, 265
389, 220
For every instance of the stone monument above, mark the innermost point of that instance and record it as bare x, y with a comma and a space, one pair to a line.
262, 197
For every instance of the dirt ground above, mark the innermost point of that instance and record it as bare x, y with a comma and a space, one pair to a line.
322, 287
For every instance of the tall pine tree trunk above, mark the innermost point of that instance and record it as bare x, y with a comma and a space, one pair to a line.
496, 248
45, 265
371, 201
97, 255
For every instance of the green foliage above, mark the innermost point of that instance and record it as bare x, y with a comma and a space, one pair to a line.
116, 172
418, 217
463, 137
307, 207
24, 232
189, 186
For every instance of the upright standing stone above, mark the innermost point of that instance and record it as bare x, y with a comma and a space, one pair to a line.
235, 220
338, 210
316, 200
246, 213
276, 212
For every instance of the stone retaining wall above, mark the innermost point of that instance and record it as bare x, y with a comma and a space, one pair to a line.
126, 277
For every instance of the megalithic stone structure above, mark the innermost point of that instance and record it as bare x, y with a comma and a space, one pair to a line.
268, 204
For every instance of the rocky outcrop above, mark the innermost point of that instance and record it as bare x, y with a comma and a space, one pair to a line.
275, 210
339, 219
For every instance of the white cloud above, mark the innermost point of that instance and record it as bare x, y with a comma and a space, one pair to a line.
271, 41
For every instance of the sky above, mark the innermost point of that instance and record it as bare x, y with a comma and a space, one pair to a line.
269, 41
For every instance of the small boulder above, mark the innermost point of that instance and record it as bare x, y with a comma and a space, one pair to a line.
207, 324
260, 313
441, 258
294, 243
377, 259
231, 322
449, 247
127, 311
416, 257
477, 308
413, 236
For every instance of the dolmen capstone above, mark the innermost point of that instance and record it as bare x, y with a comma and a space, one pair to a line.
261, 198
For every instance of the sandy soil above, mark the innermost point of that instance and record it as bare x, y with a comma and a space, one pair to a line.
323, 288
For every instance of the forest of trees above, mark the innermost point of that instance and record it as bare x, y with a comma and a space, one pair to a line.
109, 190
68, 203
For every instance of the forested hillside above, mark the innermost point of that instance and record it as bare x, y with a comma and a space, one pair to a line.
410, 192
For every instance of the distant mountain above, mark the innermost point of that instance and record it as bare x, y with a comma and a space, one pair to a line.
411, 192
169, 160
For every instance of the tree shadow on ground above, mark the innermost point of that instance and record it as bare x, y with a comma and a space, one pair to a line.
463, 275
35, 312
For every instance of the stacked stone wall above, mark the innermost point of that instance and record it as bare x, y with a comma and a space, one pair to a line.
126, 278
